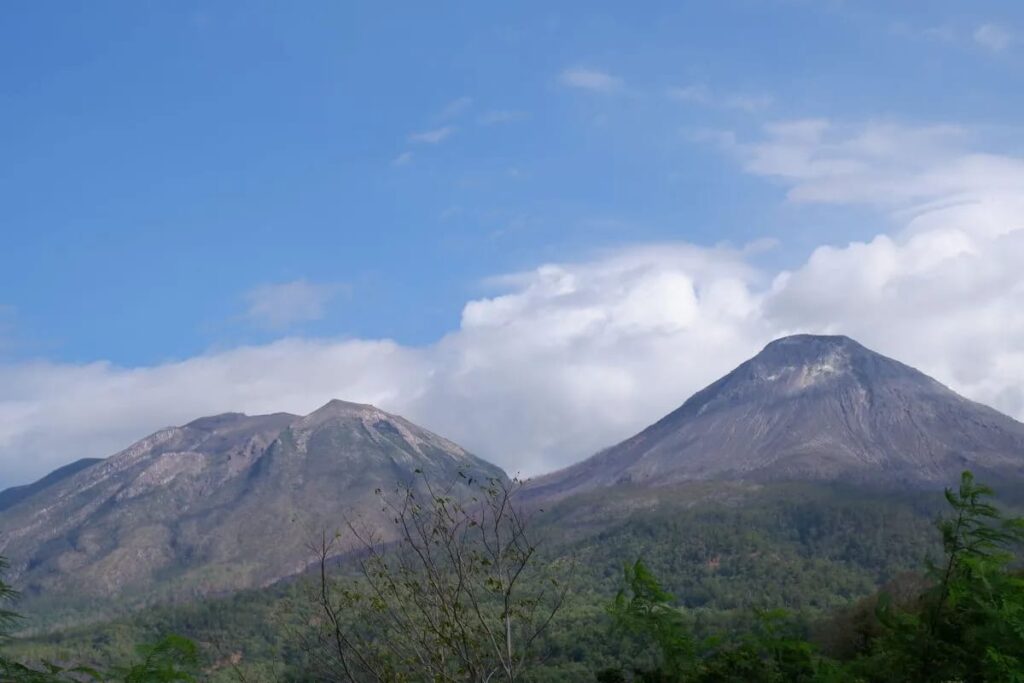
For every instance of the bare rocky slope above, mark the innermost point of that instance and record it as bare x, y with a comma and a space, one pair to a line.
222, 503
821, 408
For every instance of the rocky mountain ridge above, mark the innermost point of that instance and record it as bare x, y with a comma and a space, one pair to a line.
222, 503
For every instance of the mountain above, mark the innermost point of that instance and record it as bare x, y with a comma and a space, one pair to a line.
16, 494
224, 502
807, 407
231, 501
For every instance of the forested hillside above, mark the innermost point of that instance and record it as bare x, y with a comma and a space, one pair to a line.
813, 551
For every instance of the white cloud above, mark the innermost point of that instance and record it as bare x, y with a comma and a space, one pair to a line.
570, 357
278, 306
432, 137
402, 159
943, 292
993, 37
53, 413
881, 164
590, 79
989, 36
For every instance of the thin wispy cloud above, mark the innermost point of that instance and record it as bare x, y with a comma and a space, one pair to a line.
749, 103
432, 137
590, 79
500, 116
881, 164
993, 37
990, 36
456, 107
696, 94
942, 33
402, 159
278, 306
702, 95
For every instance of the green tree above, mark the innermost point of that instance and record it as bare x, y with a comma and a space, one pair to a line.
969, 624
644, 609
771, 652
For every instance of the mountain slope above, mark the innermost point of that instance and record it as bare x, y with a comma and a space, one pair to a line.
14, 495
221, 503
816, 408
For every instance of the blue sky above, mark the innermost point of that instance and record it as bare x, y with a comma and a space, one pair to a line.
161, 160
180, 180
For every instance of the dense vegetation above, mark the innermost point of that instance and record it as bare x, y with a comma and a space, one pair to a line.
733, 560
171, 659
966, 623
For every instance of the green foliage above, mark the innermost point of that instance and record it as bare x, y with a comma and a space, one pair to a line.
771, 652
644, 609
806, 548
966, 625
969, 624
172, 659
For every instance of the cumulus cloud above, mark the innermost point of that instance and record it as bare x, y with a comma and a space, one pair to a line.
432, 137
569, 357
566, 359
577, 355
589, 79
54, 413
943, 291
281, 305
